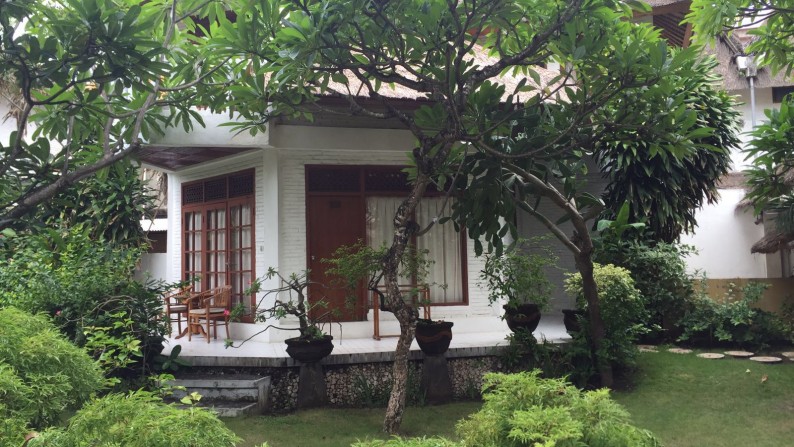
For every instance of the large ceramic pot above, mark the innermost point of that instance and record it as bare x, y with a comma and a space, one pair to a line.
310, 350
434, 337
570, 318
522, 317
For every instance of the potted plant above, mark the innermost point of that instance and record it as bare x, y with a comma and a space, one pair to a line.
518, 277
313, 344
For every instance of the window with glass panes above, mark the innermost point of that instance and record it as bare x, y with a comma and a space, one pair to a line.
218, 233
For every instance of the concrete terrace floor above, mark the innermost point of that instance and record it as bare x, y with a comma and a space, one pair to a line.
349, 350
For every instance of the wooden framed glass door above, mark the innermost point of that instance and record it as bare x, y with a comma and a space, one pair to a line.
218, 234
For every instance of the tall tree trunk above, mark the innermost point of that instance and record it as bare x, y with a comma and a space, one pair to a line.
399, 392
406, 315
584, 263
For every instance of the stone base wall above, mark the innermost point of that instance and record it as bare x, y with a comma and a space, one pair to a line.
369, 384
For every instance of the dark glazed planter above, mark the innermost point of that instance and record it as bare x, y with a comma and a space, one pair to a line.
570, 318
434, 338
522, 317
309, 350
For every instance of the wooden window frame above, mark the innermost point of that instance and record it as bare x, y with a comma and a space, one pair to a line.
227, 204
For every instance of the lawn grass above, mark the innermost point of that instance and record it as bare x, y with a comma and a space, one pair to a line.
342, 427
692, 402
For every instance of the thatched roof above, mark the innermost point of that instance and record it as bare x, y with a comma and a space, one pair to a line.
772, 242
732, 180
725, 49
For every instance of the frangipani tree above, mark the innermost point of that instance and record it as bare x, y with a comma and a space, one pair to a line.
95, 79
487, 123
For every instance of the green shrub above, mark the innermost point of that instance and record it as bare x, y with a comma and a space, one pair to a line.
82, 283
524, 410
138, 419
407, 442
41, 373
659, 273
519, 274
621, 310
733, 320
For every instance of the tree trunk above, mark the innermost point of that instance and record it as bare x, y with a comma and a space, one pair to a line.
406, 315
396, 407
584, 263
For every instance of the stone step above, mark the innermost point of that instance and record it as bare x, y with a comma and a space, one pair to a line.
231, 408
229, 395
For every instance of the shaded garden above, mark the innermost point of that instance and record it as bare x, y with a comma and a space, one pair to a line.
80, 335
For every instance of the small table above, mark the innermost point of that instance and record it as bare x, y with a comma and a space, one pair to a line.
187, 301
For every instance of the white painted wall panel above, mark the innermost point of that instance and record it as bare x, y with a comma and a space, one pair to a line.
723, 239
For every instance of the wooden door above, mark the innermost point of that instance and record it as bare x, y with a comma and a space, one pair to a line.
333, 221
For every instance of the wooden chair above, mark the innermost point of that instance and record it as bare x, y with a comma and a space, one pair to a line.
419, 296
175, 301
209, 308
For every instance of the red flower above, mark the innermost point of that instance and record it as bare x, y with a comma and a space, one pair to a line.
57, 313
225, 312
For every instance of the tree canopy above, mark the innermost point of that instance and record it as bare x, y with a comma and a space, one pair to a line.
96, 79
470, 81
477, 83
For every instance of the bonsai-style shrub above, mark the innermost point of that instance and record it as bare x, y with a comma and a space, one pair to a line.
621, 310
139, 419
290, 300
519, 274
41, 374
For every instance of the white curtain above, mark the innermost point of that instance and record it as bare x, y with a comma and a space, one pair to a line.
442, 242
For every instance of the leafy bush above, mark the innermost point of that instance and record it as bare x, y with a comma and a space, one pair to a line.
524, 410
621, 311
407, 442
659, 273
82, 283
41, 373
519, 274
138, 419
732, 321
524, 353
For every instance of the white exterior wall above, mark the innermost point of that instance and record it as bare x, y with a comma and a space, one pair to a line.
724, 234
299, 146
153, 266
723, 239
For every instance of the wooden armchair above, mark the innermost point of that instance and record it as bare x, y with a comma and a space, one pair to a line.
175, 302
209, 308
418, 297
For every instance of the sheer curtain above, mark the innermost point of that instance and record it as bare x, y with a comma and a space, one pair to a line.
442, 242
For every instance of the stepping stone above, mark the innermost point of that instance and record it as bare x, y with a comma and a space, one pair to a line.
711, 355
789, 354
739, 354
647, 348
679, 351
766, 359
